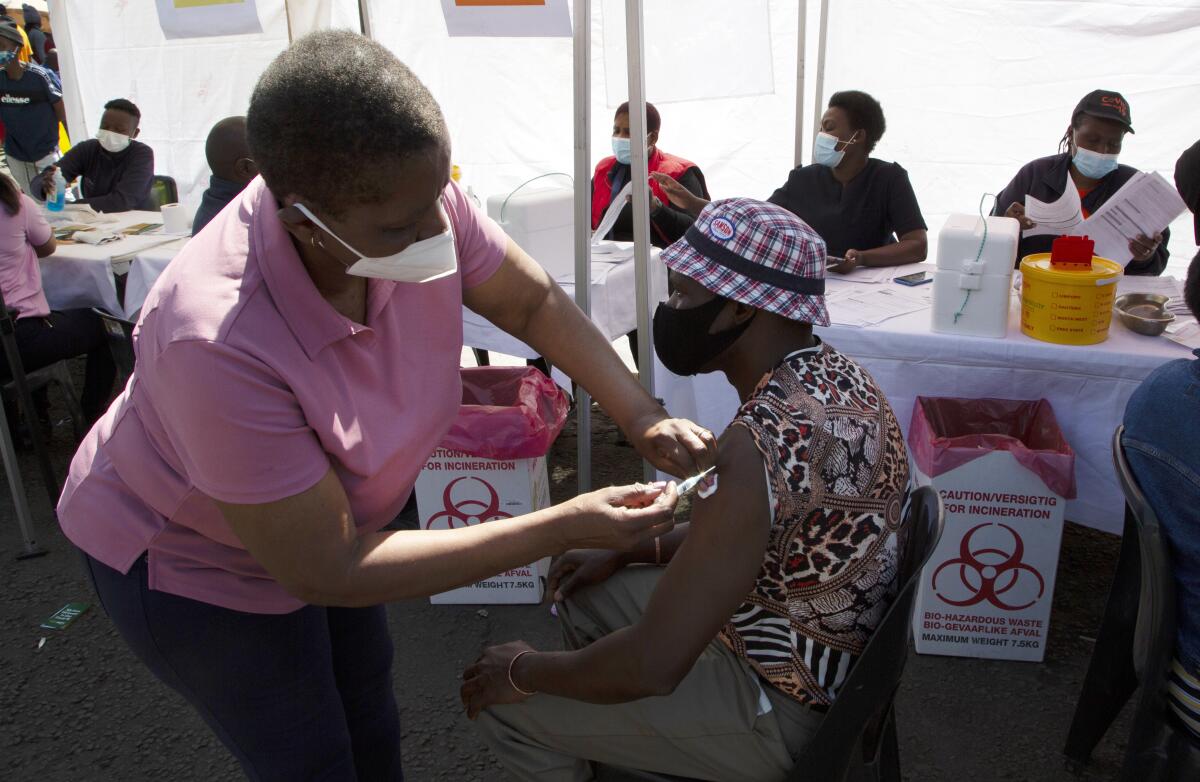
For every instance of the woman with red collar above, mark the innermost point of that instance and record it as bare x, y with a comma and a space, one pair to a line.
667, 223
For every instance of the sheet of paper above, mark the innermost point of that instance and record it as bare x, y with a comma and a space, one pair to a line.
199, 18
1186, 332
611, 215
873, 305
1145, 205
1054, 219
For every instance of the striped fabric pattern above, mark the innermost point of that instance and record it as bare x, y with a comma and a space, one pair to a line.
1183, 696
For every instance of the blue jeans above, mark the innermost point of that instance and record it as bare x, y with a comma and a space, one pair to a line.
306, 695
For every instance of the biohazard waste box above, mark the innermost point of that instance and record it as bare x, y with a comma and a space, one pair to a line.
1004, 472
491, 466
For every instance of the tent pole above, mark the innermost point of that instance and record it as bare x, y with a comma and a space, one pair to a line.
364, 17
639, 175
820, 90
801, 53
583, 220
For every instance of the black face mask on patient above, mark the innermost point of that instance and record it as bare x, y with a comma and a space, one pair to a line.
681, 337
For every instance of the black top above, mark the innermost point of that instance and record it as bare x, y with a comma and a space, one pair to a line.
1046, 179
667, 224
27, 111
219, 193
111, 183
871, 210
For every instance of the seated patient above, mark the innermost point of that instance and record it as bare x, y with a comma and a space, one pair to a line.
759, 607
1162, 444
233, 168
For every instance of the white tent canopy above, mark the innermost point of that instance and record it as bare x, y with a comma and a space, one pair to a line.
971, 90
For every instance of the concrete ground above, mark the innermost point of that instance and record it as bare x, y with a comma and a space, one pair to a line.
81, 707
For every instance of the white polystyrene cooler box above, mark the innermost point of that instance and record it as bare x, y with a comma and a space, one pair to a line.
542, 223
457, 490
984, 312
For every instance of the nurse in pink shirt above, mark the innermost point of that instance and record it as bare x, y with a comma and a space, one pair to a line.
45, 336
295, 366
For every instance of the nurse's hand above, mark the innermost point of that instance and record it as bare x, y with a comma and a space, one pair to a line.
848, 264
619, 517
673, 445
1143, 247
1017, 212
679, 196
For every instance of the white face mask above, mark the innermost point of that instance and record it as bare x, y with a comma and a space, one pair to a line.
113, 142
424, 261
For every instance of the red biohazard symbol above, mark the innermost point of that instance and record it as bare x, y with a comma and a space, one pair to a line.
990, 573
468, 512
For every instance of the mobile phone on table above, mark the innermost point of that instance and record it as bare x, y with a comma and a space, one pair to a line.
916, 278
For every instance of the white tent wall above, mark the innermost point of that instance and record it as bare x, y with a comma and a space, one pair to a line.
182, 86
972, 90
508, 101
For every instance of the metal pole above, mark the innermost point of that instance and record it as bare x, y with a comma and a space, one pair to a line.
801, 53
639, 175
364, 17
818, 104
583, 221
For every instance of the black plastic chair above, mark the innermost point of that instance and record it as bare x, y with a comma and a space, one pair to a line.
1159, 748
857, 738
21, 385
120, 340
163, 190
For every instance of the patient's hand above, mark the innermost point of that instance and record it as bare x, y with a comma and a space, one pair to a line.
487, 682
580, 568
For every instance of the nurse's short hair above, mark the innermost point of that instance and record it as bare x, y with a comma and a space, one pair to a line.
333, 114
864, 112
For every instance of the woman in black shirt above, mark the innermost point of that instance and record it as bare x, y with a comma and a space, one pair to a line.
865, 209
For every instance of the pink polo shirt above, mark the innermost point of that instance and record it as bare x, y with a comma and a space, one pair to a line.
249, 386
20, 275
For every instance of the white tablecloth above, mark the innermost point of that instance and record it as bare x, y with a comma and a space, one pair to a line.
1087, 386
84, 275
614, 304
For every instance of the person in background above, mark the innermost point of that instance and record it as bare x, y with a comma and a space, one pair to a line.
31, 108
1162, 430
864, 208
232, 168
33, 29
1187, 181
25, 53
770, 593
667, 223
1086, 161
116, 170
52, 67
45, 336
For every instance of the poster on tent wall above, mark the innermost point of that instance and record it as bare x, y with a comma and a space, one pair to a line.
507, 18
200, 18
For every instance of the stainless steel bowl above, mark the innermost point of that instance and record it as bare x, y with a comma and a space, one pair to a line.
1145, 313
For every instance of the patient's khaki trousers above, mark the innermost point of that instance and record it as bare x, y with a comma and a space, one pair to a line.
709, 728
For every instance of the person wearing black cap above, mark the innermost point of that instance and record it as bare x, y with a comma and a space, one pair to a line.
31, 108
1087, 161
1187, 180
33, 29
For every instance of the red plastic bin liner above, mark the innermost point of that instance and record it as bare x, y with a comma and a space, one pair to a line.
507, 413
947, 433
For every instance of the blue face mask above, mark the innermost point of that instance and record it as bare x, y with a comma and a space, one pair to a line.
1093, 165
825, 151
6, 58
622, 150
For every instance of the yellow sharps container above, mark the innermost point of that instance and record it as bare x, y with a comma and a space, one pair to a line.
1067, 295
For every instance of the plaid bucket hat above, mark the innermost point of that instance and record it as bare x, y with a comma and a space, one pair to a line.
758, 254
